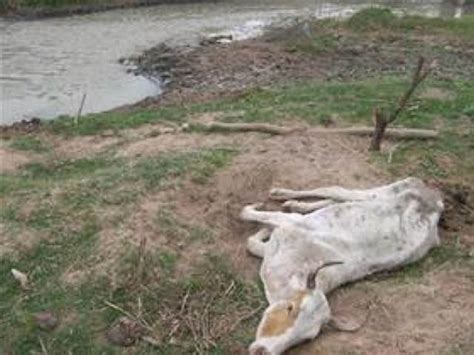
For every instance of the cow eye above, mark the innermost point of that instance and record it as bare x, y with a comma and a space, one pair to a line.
290, 308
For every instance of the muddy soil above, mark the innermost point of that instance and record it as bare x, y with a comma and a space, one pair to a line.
222, 69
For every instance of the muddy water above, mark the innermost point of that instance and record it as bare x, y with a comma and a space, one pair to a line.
48, 65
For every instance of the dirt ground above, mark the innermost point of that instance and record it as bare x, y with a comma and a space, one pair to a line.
11, 160
430, 314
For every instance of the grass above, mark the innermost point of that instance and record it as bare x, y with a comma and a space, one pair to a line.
382, 19
311, 102
65, 200
446, 158
60, 196
103, 173
97, 123
29, 143
85, 316
371, 19
177, 230
374, 26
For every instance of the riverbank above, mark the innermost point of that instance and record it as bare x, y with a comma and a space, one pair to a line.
37, 9
329, 51
134, 212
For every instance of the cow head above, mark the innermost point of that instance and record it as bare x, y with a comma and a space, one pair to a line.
289, 322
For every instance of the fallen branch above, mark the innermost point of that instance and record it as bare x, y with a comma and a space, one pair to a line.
246, 127
398, 133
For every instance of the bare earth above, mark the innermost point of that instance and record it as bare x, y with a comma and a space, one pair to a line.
425, 315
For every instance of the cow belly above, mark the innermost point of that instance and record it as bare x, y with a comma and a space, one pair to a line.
376, 235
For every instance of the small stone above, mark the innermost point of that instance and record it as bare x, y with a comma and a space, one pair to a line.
46, 320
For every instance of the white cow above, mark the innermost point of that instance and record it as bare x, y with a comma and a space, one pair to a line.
354, 233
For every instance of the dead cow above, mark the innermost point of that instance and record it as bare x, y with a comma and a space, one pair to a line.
347, 236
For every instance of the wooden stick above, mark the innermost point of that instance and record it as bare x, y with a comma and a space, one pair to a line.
398, 133
246, 127
76, 120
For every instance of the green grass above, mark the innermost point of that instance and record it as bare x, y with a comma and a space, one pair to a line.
353, 102
371, 19
380, 19
29, 143
103, 173
85, 316
97, 123
446, 158
63, 195
177, 230
66, 200
311, 102
374, 27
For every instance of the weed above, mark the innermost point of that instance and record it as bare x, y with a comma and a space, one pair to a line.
96, 123
67, 198
381, 19
176, 229
29, 143
168, 260
371, 19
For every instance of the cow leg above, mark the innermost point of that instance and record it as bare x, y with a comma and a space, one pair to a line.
256, 242
306, 207
341, 194
334, 193
275, 219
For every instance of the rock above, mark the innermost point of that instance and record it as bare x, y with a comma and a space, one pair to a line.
124, 332
46, 320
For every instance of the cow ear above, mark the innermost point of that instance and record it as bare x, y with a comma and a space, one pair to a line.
311, 278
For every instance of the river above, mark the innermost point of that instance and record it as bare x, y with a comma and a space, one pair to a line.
48, 65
